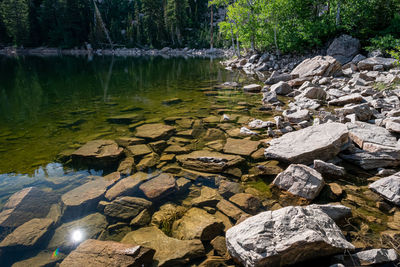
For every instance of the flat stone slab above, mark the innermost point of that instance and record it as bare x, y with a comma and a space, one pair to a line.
241, 147
125, 186
208, 161
87, 227
42, 259
317, 66
28, 235
285, 236
84, 198
108, 253
154, 131
159, 187
304, 146
169, 251
369, 63
388, 187
254, 88
347, 99
125, 118
300, 180
139, 150
373, 160
370, 137
126, 208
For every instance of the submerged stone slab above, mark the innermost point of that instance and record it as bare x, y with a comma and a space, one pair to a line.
98, 153
169, 251
126, 186
241, 147
304, 146
84, 198
300, 180
85, 228
208, 161
285, 236
25, 205
43, 259
126, 208
159, 187
154, 131
28, 235
108, 253
388, 187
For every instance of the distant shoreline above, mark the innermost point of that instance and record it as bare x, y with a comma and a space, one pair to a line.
123, 52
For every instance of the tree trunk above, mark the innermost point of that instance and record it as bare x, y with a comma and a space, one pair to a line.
338, 14
212, 29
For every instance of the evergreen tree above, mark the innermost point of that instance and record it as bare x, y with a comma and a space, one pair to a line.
15, 15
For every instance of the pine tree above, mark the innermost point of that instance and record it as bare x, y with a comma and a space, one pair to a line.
15, 15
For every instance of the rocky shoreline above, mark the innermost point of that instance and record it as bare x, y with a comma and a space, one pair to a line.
120, 52
318, 184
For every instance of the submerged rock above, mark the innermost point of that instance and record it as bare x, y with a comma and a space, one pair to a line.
126, 186
169, 251
28, 235
208, 161
285, 236
126, 208
197, 224
154, 131
125, 118
108, 253
388, 187
300, 180
43, 259
67, 236
253, 88
98, 153
304, 146
84, 198
25, 205
241, 147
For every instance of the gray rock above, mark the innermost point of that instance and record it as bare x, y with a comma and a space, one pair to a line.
388, 187
336, 211
69, 235
347, 99
370, 257
300, 180
108, 253
197, 224
126, 208
285, 236
304, 146
357, 59
318, 66
270, 97
362, 111
371, 138
28, 235
344, 48
297, 116
169, 251
373, 160
281, 88
369, 63
328, 168
84, 198
313, 93
277, 77
259, 124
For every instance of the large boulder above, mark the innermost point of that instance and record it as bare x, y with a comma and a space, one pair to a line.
197, 224
98, 153
369, 63
28, 235
285, 236
154, 131
318, 66
84, 198
25, 205
126, 208
300, 180
159, 187
344, 48
388, 187
93, 253
208, 161
169, 251
69, 235
304, 146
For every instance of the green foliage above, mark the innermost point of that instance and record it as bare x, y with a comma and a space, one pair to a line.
395, 53
15, 16
384, 43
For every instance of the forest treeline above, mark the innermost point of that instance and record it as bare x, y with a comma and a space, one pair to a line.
283, 25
